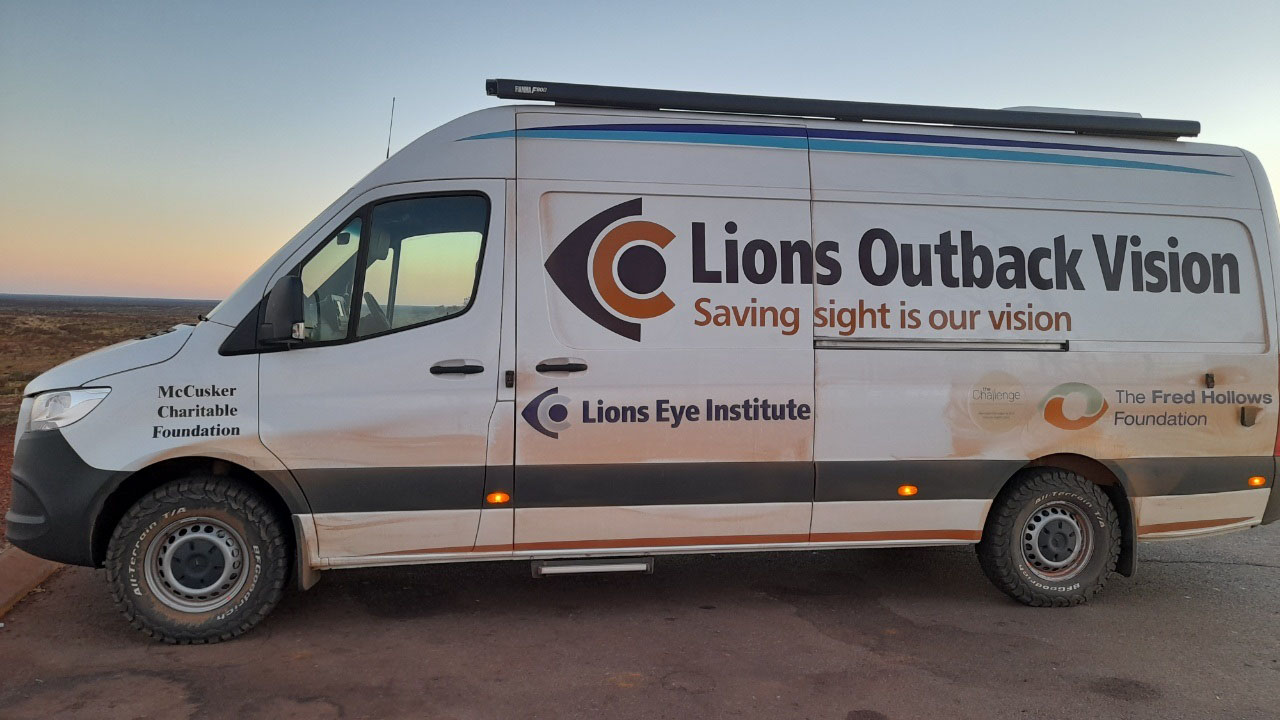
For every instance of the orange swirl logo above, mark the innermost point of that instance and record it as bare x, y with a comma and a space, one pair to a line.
1053, 403
616, 279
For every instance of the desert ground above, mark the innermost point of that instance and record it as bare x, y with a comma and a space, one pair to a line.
38, 332
858, 635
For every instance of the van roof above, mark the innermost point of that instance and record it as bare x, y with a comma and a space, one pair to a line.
1085, 123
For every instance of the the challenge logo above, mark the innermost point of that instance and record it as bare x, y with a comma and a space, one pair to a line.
1054, 404
614, 279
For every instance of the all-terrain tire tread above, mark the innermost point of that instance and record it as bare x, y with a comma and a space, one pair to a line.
995, 551
233, 495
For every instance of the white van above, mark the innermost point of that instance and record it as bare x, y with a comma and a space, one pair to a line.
640, 322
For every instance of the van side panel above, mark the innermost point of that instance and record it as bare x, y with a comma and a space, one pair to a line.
664, 383
973, 334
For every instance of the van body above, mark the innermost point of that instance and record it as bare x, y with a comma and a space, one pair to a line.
559, 333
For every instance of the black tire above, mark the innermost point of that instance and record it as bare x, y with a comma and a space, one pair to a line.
1052, 539
198, 560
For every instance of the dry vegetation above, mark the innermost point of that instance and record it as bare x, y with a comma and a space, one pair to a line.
39, 332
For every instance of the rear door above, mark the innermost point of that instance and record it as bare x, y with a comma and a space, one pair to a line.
664, 341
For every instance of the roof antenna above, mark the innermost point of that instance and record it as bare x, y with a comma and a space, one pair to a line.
391, 125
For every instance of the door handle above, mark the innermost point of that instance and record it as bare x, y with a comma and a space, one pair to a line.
562, 364
457, 367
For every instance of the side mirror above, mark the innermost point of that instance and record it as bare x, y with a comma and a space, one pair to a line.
282, 321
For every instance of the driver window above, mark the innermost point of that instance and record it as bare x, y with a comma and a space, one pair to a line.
424, 256
327, 281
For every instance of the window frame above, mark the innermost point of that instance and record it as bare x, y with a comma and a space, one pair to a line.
355, 280
365, 214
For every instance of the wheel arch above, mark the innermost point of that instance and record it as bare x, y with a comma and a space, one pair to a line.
1111, 482
278, 488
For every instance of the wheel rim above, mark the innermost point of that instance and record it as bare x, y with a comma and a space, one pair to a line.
1057, 541
196, 564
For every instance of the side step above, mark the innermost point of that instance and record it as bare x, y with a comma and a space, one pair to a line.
542, 568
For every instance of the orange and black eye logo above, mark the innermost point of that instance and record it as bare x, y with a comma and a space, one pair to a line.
1053, 406
614, 277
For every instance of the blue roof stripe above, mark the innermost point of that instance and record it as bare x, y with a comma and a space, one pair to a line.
779, 130
699, 138
993, 142
855, 146
784, 131
796, 139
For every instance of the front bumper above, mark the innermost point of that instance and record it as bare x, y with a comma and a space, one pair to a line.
57, 497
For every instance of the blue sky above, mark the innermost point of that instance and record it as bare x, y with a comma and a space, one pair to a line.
168, 148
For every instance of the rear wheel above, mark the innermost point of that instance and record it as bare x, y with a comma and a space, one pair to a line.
1052, 539
198, 560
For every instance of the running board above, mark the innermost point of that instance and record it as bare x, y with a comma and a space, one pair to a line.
542, 568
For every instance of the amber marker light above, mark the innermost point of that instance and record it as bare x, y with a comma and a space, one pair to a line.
497, 498
907, 490
1257, 481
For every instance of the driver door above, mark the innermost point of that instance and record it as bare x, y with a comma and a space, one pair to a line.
382, 412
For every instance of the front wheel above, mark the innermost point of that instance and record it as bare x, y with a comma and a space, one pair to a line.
1052, 539
197, 560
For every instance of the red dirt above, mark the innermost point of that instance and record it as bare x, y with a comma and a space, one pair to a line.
6, 465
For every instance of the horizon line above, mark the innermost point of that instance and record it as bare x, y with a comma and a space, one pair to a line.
103, 297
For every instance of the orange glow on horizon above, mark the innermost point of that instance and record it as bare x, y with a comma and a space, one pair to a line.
48, 250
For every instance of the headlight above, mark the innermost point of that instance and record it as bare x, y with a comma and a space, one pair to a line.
60, 408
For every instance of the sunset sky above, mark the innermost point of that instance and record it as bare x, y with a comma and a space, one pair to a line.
166, 149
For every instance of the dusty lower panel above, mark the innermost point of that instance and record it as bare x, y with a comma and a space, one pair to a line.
383, 533
661, 525
906, 519
497, 528
1169, 516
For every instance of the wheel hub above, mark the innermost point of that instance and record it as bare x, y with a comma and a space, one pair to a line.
1056, 541
195, 564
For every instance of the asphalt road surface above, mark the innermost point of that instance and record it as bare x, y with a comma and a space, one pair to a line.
858, 635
